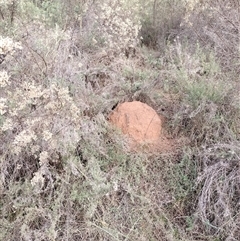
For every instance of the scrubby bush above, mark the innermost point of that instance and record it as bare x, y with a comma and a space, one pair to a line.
215, 24
205, 108
114, 25
161, 22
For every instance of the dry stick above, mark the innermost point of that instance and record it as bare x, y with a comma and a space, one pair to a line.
32, 50
1, 13
12, 10
130, 231
106, 231
149, 125
44, 61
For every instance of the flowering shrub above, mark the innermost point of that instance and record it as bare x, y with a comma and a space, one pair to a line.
119, 23
3, 2
4, 78
41, 115
35, 120
8, 46
39, 122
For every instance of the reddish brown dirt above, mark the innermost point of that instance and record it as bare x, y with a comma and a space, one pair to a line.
142, 124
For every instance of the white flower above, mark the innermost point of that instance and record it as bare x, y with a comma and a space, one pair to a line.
4, 79
38, 181
7, 125
43, 158
23, 139
8, 46
3, 106
47, 135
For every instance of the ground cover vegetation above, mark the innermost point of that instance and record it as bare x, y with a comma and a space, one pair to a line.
66, 173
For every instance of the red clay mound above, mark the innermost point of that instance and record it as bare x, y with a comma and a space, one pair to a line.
137, 120
144, 126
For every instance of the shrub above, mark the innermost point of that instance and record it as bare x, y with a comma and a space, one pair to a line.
160, 22
214, 24
205, 110
115, 23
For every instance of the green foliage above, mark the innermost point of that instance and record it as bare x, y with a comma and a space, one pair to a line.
205, 90
48, 12
183, 177
161, 22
